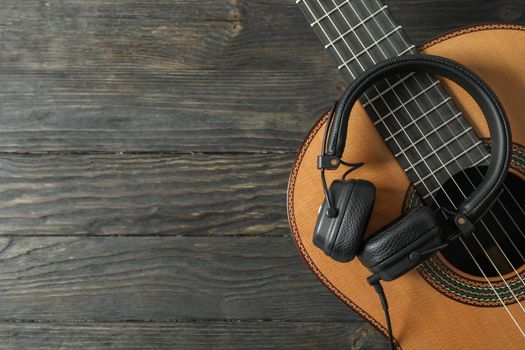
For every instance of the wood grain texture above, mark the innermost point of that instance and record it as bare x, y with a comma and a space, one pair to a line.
159, 78
112, 194
161, 279
191, 335
493, 326
172, 75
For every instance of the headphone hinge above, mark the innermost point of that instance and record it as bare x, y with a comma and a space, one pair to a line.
463, 224
325, 162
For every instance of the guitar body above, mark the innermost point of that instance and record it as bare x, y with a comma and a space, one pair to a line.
423, 315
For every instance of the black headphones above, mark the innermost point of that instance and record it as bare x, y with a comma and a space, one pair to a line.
404, 244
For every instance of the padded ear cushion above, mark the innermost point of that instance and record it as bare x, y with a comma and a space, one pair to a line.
397, 236
354, 221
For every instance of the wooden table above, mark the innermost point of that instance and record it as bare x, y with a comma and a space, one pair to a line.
146, 147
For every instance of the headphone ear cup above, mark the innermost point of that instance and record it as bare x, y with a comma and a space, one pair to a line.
419, 224
341, 237
354, 221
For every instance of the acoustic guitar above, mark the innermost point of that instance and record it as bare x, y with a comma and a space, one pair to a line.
424, 139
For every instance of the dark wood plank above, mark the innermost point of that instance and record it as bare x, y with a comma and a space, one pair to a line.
131, 76
208, 35
111, 194
160, 279
192, 336
179, 75
172, 76
204, 111
424, 19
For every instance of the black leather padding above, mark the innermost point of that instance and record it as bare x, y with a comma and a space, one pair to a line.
354, 221
482, 198
397, 236
340, 237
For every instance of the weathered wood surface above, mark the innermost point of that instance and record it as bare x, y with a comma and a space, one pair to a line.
179, 75
112, 194
161, 279
190, 335
182, 241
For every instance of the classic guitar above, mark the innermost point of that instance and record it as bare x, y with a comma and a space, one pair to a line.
424, 139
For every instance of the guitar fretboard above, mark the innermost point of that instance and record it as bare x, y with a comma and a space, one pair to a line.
414, 114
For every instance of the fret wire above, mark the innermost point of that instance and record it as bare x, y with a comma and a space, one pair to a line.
412, 144
344, 40
389, 89
392, 112
385, 12
352, 29
422, 116
435, 128
318, 20
355, 58
431, 193
395, 93
365, 94
486, 155
462, 121
488, 231
454, 138
474, 164
367, 49
327, 37
468, 131
374, 86
324, 31
423, 159
423, 137
416, 79
407, 50
404, 104
443, 167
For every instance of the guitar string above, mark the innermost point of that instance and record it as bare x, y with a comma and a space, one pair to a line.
335, 48
430, 145
461, 121
477, 169
473, 187
505, 188
462, 241
498, 200
456, 160
351, 73
374, 61
494, 289
340, 56
466, 247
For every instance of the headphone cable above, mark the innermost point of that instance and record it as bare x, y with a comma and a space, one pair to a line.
331, 208
384, 303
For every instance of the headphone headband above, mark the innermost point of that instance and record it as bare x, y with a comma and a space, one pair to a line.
473, 206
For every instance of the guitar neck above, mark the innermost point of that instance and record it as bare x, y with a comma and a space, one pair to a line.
414, 114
